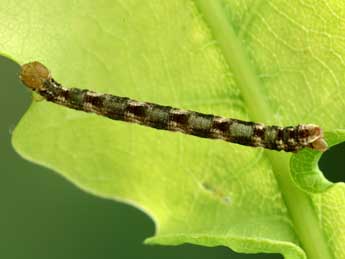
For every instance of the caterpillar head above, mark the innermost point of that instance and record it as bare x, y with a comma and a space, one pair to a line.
34, 74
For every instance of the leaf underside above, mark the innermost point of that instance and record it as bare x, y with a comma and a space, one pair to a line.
276, 62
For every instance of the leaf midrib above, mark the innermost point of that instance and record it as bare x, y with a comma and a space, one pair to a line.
298, 203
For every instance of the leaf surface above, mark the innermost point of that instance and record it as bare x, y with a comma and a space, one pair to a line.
276, 62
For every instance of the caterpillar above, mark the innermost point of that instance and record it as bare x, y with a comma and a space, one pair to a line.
38, 78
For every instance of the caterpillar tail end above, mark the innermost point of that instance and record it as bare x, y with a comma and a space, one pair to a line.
34, 74
316, 138
319, 145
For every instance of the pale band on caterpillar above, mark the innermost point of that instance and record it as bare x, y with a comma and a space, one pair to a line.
291, 139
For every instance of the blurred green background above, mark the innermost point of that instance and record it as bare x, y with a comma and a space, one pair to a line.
44, 216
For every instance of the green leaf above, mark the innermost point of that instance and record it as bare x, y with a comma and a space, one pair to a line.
304, 168
277, 62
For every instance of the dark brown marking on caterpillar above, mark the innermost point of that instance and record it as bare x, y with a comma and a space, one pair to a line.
178, 120
291, 139
136, 111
